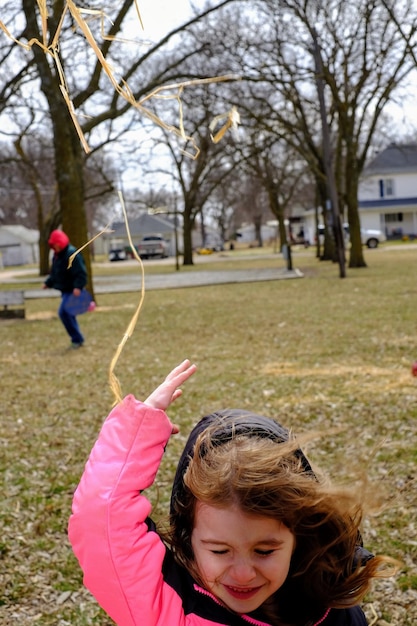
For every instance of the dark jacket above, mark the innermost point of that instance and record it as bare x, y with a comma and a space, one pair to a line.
67, 279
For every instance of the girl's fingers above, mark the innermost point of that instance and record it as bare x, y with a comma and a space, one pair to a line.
181, 373
177, 393
177, 371
170, 390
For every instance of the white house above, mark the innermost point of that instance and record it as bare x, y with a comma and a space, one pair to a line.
18, 245
388, 192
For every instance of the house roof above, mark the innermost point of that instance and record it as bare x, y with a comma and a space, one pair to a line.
394, 159
16, 233
142, 225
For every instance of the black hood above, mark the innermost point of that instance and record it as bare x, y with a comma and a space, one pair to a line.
231, 422
227, 424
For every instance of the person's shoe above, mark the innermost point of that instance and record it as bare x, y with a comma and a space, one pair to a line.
75, 346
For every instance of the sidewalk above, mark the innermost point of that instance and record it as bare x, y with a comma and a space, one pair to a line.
133, 282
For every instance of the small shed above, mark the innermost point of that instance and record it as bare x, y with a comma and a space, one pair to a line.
18, 245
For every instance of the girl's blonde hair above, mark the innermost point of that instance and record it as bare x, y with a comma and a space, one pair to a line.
269, 477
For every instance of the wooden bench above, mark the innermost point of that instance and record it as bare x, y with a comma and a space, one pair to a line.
13, 303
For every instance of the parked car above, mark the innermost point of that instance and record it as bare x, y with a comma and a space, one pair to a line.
370, 237
153, 246
118, 254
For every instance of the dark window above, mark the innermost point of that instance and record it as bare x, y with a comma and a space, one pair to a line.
393, 217
381, 188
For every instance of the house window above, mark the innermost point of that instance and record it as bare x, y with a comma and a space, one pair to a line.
389, 187
393, 217
386, 187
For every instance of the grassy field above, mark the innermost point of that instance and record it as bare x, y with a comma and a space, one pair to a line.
318, 353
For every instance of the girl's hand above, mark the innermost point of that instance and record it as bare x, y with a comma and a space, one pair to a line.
169, 390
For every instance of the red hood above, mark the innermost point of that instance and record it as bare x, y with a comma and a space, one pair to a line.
58, 237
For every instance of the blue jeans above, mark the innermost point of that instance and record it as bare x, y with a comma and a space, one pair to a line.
70, 321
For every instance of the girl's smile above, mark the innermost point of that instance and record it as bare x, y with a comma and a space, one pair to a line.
242, 593
242, 559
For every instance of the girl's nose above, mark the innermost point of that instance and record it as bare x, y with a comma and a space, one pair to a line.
242, 571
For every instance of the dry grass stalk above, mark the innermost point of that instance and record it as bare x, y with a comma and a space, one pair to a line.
113, 380
232, 118
106, 229
120, 86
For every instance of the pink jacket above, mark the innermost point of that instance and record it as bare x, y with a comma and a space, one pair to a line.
126, 566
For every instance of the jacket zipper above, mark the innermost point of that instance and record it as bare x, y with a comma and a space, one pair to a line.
248, 619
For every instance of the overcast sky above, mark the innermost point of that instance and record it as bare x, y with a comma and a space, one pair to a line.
161, 16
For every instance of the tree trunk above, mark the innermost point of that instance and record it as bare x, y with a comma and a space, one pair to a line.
356, 257
67, 146
45, 226
188, 224
328, 253
69, 175
257, 222
278, 211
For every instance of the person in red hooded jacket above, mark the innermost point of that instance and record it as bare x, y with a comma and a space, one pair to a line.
68, 280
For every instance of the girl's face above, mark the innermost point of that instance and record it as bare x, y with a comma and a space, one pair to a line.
242, 559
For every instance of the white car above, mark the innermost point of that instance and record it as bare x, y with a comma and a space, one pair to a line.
371, 238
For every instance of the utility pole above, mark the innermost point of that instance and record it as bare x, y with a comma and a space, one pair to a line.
327, 156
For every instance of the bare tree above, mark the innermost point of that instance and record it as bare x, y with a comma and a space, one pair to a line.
253, 206
96, 101
196, 179
276, 110
30, 193
365, 58
364, 61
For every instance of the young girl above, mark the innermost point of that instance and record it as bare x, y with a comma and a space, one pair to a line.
255, 537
